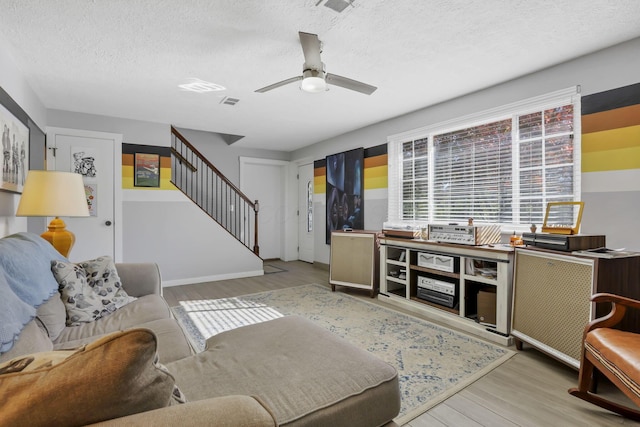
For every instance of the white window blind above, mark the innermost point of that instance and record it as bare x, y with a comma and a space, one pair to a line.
500, 166
472, 176
415, 179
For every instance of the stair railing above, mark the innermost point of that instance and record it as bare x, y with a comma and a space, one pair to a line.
208, 188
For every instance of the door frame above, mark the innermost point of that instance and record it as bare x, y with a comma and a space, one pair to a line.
288, 251
302, 186
116, 139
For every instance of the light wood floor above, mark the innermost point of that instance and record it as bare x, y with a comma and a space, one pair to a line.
528, 390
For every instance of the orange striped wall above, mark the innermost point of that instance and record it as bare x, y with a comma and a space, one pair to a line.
611, 130
375, 170
128, 153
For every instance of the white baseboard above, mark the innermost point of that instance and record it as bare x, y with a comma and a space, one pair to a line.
215, 278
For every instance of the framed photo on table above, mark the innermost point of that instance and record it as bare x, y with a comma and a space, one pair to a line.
15, 152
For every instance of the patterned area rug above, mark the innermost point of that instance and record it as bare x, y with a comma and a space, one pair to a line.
433, 362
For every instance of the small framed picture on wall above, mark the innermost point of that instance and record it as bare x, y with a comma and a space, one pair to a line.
146, 170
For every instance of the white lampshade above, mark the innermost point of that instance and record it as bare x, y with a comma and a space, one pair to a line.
53, 193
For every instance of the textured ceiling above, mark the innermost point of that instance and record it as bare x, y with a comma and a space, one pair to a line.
126, 58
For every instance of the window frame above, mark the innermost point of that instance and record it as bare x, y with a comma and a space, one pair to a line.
511, 111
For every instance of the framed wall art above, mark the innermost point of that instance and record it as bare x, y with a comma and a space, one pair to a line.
345, 191
146, 170
139, 165
15, 151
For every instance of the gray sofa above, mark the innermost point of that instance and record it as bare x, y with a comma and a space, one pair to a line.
285, 372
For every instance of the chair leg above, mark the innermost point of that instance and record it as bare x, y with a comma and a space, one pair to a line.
626, 412
585, 376
583, 391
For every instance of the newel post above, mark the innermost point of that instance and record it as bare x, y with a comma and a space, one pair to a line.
256, 248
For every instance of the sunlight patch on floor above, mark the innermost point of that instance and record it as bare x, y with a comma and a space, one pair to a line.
214, 316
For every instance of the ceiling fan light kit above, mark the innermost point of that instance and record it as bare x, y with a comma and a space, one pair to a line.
314, 79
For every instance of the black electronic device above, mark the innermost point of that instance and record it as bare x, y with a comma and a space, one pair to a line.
564, 242
437, 297
437, 291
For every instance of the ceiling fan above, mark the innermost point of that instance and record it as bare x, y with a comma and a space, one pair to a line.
314, 78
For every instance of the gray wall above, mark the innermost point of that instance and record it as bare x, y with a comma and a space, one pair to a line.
15, 85
613, 67
607, 69
164, 226
227, 157
187, 245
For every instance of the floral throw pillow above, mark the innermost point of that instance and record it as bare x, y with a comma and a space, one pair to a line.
89, 289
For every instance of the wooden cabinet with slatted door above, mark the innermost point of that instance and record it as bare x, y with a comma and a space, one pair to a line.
551, 301
354, 260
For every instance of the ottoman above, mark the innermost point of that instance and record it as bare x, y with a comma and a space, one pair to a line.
305, 374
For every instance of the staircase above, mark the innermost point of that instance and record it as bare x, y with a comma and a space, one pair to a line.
208, 188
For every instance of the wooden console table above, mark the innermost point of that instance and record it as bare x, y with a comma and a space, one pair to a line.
409, 266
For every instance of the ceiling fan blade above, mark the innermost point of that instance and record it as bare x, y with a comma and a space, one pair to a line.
311, 49
277, 85
350, 84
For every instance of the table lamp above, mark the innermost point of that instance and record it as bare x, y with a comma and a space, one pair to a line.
54, 193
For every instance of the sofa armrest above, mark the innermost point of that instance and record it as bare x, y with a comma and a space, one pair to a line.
140, 279
230, 411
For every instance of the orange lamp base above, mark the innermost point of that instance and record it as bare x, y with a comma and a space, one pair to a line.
58, 235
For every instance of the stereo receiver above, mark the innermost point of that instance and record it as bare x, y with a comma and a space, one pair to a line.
475, 235
437, 291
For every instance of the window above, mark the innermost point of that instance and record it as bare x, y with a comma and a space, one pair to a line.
499, 167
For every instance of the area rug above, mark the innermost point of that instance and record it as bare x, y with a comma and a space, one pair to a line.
433, 362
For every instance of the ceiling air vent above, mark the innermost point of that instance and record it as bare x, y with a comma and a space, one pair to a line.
229, 101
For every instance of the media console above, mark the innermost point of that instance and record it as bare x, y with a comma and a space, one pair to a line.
449, 283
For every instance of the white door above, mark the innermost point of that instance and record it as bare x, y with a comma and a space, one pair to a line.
92, 154
305, 212
263, 180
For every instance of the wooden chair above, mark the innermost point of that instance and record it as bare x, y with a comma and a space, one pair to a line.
612, 352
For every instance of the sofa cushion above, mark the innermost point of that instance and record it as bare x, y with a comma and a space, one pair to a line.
304, 373
112, 377
32, 339
172, 343
52, 316
90, 289
226, 411
142, 310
